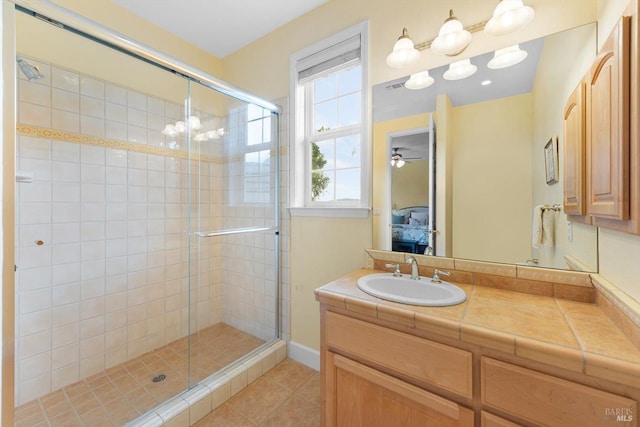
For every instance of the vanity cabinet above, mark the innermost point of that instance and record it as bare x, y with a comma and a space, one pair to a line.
608, 94
574, 152
385, 373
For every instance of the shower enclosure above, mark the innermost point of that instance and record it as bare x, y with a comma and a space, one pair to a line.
147, 226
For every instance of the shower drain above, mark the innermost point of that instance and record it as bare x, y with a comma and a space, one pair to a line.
159, 378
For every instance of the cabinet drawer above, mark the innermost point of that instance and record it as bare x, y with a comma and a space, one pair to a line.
549, 401
427, 361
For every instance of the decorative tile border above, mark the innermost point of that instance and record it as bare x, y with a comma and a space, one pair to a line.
59, 135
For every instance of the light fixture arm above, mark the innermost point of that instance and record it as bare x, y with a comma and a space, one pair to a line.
474, 28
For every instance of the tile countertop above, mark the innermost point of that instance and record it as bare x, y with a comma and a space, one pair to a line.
572, 335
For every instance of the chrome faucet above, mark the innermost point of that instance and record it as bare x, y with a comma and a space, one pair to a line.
436, 275
396, 267
414, 267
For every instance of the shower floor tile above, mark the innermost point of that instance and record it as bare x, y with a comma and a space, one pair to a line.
287, 395
124, 392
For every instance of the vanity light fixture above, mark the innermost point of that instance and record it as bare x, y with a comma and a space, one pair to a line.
404, 52
452, 38
460, 70
419, 81
509, 16
507, 57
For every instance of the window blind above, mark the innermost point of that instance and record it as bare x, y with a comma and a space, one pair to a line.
325, 60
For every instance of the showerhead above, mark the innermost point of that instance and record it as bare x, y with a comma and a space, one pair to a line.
31, 72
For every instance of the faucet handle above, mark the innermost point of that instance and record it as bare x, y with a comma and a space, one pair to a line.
396, 273
436, 275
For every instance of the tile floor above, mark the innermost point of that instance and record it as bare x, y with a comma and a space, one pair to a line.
124, 392
287, 395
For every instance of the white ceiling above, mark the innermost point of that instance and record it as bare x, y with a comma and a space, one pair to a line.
219, 26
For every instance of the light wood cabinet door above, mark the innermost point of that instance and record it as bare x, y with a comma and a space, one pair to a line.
608, 128
574, 152
365, 397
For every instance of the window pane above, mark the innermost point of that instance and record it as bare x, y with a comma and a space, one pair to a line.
266, 129
323, 156
325, 115
257, 177
254, 112
325, 88
252, 163
322, 187
349, 80
348, 152
254, 132
347, 185
349, 109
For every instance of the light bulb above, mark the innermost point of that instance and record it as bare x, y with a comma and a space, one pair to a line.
180, 126
404, 52
509, 16
419, 81
460, 70
194, 123
507, 57
452, 38
169, 130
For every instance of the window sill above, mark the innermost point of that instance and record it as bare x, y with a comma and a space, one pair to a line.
331, 212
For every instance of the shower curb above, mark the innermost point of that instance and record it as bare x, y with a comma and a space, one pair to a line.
191, 406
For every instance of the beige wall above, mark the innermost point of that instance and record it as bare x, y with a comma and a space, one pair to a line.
492, 179
322, 249
410, 184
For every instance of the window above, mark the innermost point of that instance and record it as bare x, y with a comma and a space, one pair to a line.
257, 156
250, 148
330, 127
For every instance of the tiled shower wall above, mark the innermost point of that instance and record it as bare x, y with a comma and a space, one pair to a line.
109, 280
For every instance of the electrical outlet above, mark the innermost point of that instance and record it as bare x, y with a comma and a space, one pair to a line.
570, 231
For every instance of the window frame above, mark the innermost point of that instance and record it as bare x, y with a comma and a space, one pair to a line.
301, 116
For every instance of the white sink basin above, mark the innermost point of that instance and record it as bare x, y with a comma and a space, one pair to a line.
415, 292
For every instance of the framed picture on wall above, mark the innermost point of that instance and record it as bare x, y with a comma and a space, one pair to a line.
551, 160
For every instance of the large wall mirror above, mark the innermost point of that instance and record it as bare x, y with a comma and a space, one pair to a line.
480, 187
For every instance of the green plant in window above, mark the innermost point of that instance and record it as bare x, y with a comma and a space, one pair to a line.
319, 181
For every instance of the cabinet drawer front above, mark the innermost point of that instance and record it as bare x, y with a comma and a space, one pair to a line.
549, 401
438, 364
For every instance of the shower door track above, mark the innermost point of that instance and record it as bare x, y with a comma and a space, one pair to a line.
68, 20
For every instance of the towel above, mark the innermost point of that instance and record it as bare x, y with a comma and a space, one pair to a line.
548, 216
536, 227
542, 227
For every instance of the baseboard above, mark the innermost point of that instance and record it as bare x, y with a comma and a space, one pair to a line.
305, 355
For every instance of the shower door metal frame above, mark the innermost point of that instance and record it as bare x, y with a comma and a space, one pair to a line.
78, 24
